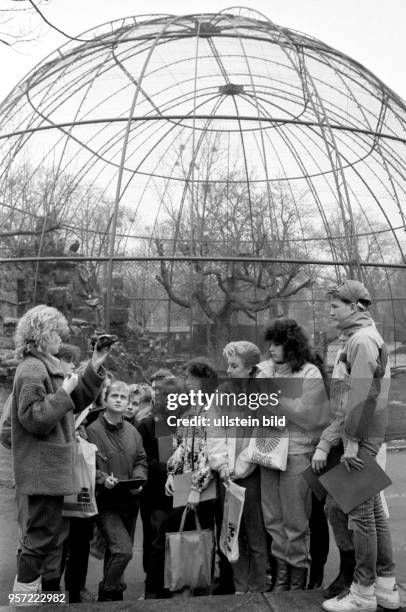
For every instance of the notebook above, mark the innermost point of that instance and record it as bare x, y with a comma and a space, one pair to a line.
182, 487
350, 489
128, 485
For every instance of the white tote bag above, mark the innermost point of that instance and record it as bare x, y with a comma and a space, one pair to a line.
269, 451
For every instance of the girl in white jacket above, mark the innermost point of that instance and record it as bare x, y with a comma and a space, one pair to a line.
225, 446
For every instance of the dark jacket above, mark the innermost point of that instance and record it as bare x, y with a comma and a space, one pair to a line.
42, 424
154, 492
121, 452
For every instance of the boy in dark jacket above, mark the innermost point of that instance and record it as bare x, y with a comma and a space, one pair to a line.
156, 506
120, 457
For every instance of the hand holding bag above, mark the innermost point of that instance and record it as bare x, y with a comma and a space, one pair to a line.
188, 557
233, 508
182, 485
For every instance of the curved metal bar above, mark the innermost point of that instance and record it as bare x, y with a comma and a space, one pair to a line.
175, 117
201, 258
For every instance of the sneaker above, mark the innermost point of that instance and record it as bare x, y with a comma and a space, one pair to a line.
387, 598
25, 589
351, 601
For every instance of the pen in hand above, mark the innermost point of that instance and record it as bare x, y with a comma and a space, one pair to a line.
110, 481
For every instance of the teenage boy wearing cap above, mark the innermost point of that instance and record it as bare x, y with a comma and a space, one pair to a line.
359, 392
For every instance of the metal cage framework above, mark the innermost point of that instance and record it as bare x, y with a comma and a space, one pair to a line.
167, 117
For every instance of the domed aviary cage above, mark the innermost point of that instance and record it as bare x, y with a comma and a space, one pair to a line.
225, 168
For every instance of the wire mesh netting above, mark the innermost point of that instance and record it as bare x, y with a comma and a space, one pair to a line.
202, 138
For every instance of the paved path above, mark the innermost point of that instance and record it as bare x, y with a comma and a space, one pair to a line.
396, 498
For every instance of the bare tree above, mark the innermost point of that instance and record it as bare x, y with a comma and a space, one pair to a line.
19, 22
230, 220
46, 212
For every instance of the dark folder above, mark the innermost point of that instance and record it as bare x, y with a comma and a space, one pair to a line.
312, 478
350, 489
128, 485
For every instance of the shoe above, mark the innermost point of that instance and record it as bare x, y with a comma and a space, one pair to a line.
344, 579
26, 588
315, 576
239, 593
313, 585
353, 600
298, 578
105, 595
282, 579
388, 598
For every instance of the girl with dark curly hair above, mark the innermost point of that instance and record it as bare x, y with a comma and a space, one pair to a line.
285, 496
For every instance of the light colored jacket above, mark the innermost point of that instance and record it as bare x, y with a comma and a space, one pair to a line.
359, 386
308, 412
226, 445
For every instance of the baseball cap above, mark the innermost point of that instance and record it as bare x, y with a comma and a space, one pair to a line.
351, 291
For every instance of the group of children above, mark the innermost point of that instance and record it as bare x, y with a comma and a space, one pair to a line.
283, 529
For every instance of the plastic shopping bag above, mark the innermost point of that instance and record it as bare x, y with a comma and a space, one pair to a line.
188, 557
83, 503
233, 508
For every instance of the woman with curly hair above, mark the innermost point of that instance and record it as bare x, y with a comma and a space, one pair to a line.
42, 422
285, 495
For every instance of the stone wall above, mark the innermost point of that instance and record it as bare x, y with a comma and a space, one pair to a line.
70, 287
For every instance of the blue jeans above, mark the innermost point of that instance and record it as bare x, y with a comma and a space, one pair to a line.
287, 504
118, 527
372, 541
250, 569
51, 568
369, 529
43, 535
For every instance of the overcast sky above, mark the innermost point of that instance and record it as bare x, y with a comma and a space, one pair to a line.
370, 31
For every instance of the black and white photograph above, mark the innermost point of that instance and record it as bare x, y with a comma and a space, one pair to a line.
203, 305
